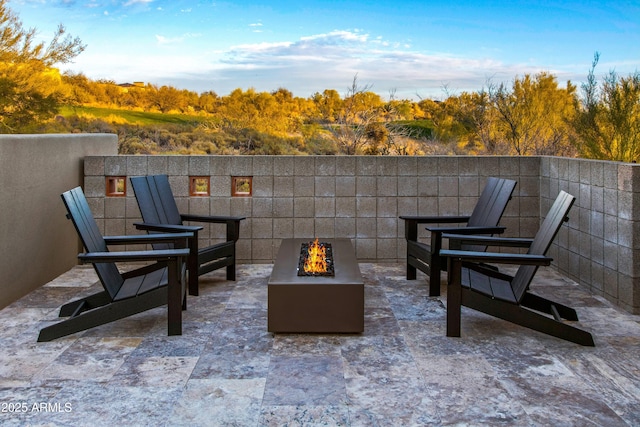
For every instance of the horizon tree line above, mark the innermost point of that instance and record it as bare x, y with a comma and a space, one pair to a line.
532, 115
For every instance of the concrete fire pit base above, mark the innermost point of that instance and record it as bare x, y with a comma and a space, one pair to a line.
316, 304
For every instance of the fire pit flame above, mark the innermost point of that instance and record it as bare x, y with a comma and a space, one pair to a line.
316, 259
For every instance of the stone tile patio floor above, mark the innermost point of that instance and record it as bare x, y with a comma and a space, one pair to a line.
226, 369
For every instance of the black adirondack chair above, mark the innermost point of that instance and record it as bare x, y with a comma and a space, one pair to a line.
508, 297
160, 214
483, 220
156, 284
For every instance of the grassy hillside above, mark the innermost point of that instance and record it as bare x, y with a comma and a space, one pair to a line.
418, 128
142, 132
131, 117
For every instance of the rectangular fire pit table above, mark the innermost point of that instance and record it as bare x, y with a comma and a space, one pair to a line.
316, 304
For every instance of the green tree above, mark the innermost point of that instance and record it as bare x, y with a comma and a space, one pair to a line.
401, 109
24, 100
533, 117
476, 114
31, 90
354, 122
329, 104
276, 113
208, 101
81, 89
451, 126
608, 124
166, 98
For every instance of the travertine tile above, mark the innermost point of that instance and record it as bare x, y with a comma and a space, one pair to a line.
226, 369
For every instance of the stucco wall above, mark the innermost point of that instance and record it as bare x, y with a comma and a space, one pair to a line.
38, 243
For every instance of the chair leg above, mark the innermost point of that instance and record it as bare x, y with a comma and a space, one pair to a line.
454, 298
434, 278
193, 266
192, 263
411, 234
411, 272
435, 264
176, 298
231, 272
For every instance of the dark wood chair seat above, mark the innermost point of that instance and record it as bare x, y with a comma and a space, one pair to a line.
162, 282
483, 220
473, 285
160, 214
494, 285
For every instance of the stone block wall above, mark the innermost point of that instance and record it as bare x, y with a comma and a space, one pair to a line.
600, 248
361, 197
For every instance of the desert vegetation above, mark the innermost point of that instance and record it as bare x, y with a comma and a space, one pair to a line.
531, 115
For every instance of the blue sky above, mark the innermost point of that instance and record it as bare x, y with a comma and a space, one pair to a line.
413, 49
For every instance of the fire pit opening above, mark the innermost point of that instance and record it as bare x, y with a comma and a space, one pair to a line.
316, 259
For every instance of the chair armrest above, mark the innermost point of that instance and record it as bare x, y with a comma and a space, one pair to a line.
438, 233
233, 223
167, 228
498, 258
159, 255
468, 230
514, 242
211, 219
451, 219
411, 223
146, 238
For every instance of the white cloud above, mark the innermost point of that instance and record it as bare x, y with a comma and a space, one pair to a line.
337, 36
133, 2
256, 48
330, 60
307, 65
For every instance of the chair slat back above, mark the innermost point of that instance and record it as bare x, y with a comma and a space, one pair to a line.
155, 200
80, 214
490, 206
542, 241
